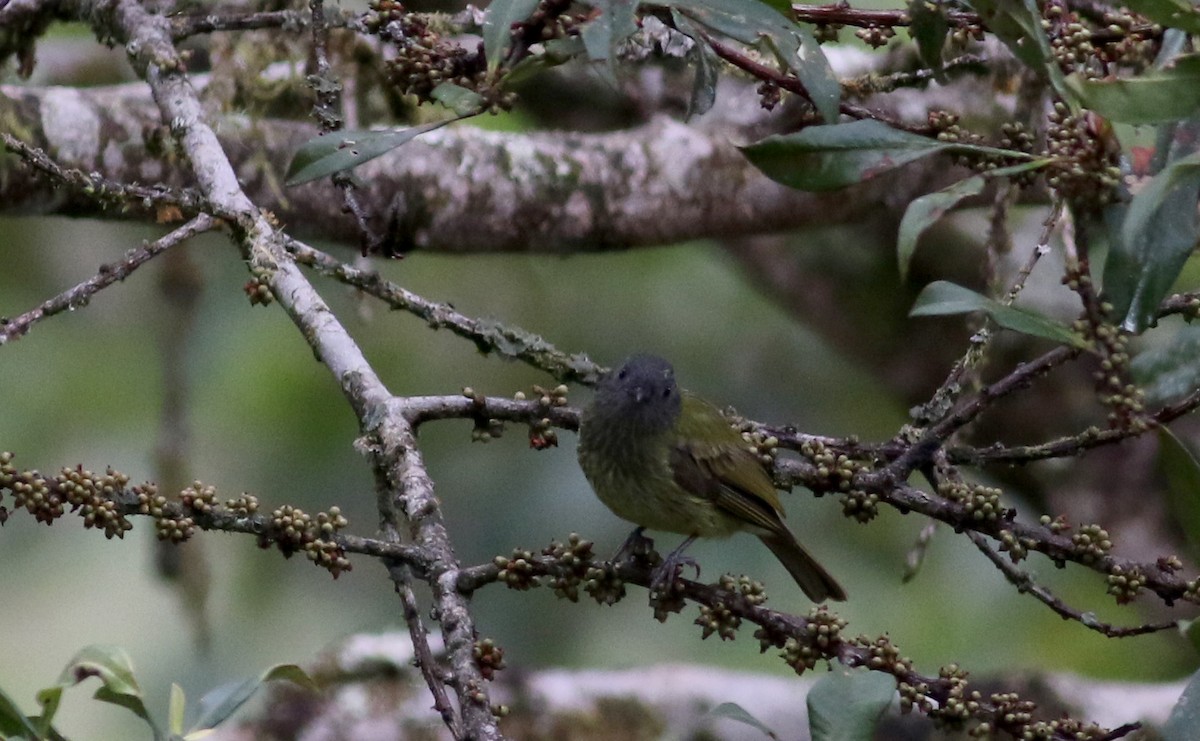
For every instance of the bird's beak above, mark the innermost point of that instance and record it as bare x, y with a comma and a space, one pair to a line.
640, 394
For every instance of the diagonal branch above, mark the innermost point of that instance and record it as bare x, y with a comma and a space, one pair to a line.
404, 483
1025, 584
80, 295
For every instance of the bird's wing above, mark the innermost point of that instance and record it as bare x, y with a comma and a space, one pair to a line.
715, 463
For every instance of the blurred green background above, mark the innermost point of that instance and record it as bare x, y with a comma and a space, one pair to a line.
84, 388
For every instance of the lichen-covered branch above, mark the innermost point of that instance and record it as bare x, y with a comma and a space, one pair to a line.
461, 189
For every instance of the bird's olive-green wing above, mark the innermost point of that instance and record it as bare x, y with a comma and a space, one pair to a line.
713, 461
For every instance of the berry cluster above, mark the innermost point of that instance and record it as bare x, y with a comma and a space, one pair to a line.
292, 530
105, 501
93, 497
574, 559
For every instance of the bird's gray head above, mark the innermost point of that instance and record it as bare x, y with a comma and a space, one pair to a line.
641, 395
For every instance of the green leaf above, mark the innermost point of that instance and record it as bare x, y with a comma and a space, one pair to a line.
929, 28
751, 22
925, 211
176, 708
1171, 13
1155, 96
554, 52
13, 722
704, 87
1190, 630
817, 75
602, 35
497, 27
733, 711
112, 666
459, 99
942, 298
1018, 23
1182, 474
343, 150
291, 673
820, 158
846, 705
220, 703
1157, 232
783, 7
915, 558
1185, 717
1169, 372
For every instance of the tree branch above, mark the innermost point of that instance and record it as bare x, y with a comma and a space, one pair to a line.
80, 295
661, 183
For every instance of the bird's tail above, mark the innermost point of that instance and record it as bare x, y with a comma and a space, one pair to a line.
810, 575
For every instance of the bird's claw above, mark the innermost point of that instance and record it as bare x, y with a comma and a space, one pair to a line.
665, 574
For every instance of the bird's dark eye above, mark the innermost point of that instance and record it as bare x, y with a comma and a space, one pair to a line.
667, 392
622, 374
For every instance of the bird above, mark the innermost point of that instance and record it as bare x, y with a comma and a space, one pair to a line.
666, 459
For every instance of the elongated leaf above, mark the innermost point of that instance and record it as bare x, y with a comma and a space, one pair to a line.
751, 22
942, 298
497, 27
821, 158
222, 702
1182, 473
1155, 96
846, 705
1169, 372
343, 150
1185, 717
1157, 232
733, 711
1190, 630
13, 722
704, 87
929, 29
927, 210
817, 75
112, 666
1171, 13
1018, 23
553, 53
603, 34
459, 99
176, 708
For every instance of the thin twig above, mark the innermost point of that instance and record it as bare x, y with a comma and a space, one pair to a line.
793, 85
184, 26
80, 295
844, 15
1039, 251
488, 336
161, 201
1068, 447
435, 678
1025, 584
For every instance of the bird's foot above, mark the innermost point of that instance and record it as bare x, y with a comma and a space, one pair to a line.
636, 546
668, 571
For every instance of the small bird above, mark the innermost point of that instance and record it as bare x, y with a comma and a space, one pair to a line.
665, 459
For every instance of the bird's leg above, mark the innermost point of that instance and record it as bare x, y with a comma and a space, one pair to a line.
635, 545
666, 572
